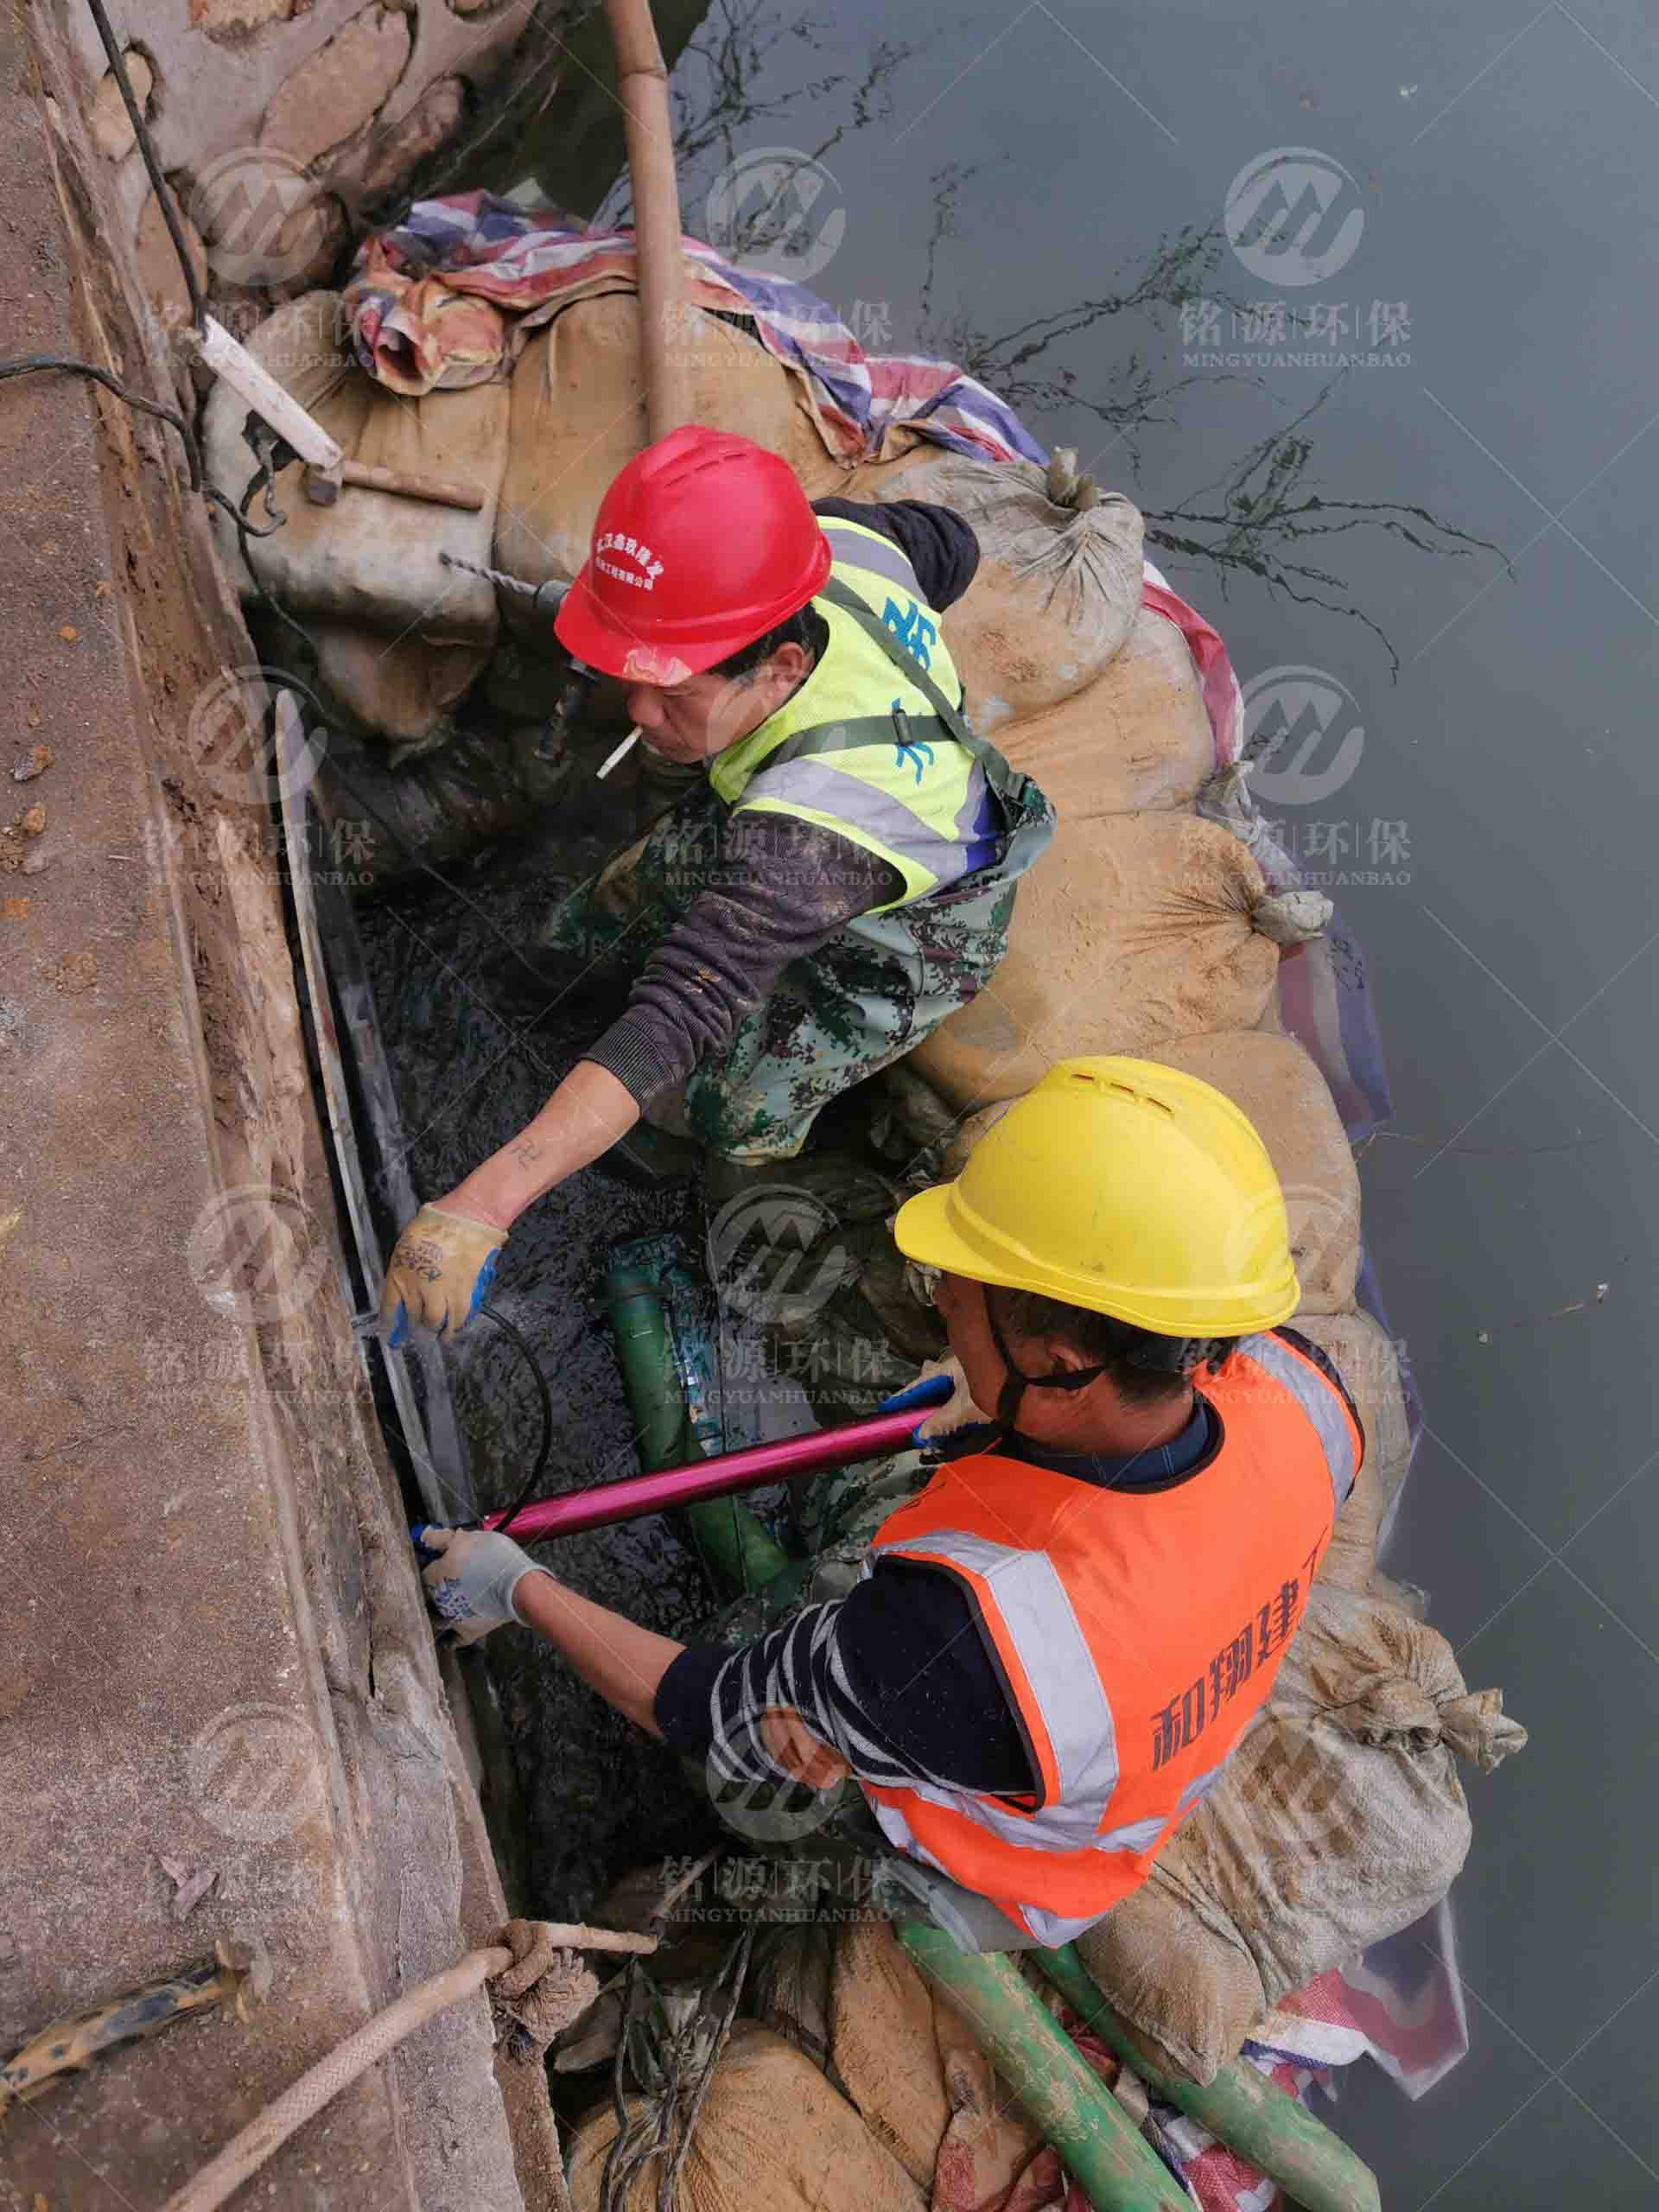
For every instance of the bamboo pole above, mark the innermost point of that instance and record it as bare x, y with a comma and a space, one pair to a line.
642, 86
1099, 2143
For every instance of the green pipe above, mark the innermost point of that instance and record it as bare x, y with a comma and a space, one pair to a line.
1100, 2144
1316, 2169
729, 1535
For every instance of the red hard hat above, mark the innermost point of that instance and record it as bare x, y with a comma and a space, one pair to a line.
702, 542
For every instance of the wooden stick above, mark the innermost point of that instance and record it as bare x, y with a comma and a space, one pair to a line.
642, 86
322, 486
219, 352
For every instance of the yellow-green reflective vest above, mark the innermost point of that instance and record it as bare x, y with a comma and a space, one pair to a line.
859, 749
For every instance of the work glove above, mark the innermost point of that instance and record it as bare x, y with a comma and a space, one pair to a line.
957, 1412
441, 1272
470, 1584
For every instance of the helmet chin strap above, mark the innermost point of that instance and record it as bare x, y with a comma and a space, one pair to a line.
1168, 1355
1015, 1383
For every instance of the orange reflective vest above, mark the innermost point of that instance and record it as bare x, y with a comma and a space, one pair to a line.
1136, 1633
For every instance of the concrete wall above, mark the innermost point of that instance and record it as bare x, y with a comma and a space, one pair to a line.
220, 1715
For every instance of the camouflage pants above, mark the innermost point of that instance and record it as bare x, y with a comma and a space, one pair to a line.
852, 1008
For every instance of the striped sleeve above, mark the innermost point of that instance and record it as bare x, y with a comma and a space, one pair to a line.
800, 1667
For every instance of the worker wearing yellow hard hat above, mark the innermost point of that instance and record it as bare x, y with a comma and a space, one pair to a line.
1058, 1637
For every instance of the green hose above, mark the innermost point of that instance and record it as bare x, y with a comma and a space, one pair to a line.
729, 1535
1101, 2145
1316, 2169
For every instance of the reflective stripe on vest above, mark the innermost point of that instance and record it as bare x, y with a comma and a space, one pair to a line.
1327, 1407
1137, 1634
859, 749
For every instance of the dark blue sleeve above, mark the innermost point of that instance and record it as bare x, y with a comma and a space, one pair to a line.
896, 1676
937, 541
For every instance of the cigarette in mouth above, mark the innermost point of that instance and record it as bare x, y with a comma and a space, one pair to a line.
621, 754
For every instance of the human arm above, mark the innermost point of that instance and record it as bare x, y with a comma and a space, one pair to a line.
584, 1118
781, 888
480, 1579
442, 1264
893, 1681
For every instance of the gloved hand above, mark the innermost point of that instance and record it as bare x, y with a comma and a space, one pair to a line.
958, 1410
471, 1582
441, 1271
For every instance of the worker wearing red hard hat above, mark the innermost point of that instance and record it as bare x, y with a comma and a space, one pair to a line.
839, 880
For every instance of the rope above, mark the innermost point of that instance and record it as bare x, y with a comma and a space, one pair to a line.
244, 2155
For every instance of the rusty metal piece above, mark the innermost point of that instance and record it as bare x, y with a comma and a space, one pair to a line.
238, 1975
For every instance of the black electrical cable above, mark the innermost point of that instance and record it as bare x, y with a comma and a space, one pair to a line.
146, 147
245, 529
26, 363
539, 1473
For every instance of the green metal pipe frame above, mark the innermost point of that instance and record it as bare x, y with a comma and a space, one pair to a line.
1101, 2145
1316, 2169
729, 1535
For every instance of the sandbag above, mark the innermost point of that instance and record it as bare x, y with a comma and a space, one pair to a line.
1131, 930
1338, 1821
1275, 1083
372, 559
578, 413
479, 788
849, 1996
1364, 1355
1057, 586
882, 2043
774, 2136
1135, 741
402, 692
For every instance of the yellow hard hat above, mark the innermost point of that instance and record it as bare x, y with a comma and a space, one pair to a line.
1125, 1188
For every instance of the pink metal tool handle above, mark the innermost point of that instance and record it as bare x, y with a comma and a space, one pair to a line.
716, 1477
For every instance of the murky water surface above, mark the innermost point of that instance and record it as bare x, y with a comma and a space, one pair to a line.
1470, 308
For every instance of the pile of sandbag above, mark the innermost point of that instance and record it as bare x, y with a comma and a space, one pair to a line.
402, 636
1365, 1356
1130, 931
1058, 587
1338, 1821
852, 2088
1077, 682
772, 2136
578, 414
